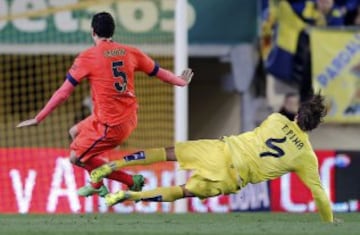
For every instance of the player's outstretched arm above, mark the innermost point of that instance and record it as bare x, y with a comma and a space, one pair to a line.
57, 98
182, 80
29, 122
148, 66
322, 202
308, 173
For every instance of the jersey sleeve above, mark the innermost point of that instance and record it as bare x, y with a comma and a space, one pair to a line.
58, 98
145, 63
79, 69
308, 173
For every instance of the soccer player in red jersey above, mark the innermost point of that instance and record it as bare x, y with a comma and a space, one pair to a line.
109, 67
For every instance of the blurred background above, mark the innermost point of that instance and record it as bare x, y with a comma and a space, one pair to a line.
250, 58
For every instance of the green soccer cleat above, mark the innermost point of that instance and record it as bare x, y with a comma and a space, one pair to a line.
139, 182
88, 190
99, 173
114, 198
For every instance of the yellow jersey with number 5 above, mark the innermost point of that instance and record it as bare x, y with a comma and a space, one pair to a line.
276, 147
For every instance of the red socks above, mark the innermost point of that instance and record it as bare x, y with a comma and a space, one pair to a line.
118, 175
122, 177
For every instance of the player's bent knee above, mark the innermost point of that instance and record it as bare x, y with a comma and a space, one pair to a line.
186, 192
74, 160
73, 132
170, 154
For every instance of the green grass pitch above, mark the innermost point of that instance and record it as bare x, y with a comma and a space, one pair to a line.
172, 224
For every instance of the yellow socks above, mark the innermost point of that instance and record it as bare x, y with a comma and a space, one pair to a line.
142, 158
161, 194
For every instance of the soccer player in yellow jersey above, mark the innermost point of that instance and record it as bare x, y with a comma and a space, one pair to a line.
276, 147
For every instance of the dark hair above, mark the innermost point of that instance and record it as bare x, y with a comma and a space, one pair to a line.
311, 112
103, 24
291, 94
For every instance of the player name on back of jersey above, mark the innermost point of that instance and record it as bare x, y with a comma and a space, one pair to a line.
291, 135
115, 52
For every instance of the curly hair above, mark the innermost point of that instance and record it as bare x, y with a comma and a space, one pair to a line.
311, 113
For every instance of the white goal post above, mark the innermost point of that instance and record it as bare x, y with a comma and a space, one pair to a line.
181, 93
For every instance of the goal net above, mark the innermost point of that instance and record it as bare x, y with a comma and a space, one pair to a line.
38, 42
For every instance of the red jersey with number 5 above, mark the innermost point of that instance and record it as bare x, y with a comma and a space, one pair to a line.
110, 68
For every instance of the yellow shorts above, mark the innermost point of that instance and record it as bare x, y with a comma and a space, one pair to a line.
213, 171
